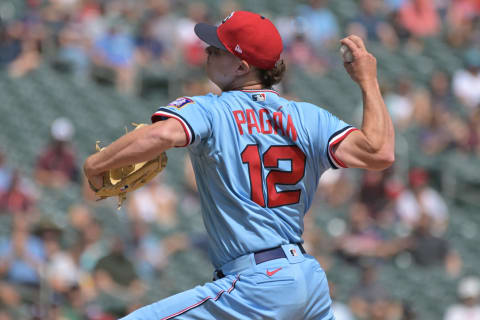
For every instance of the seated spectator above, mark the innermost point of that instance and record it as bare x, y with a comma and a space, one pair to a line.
423, 115
400, 104
155, 202
466, 82
56, 165
22, 256
33, 35
117, 265
28, 60
150, 49
114, 52
429, 250
442, 95
92, 15
61, 271
420, 18
462, 23
368, 21
363, 239
151, 253
116, 279
92, 245
435, 134
421, 199
301, 54
373, 192
192, 47
10, 42
150, 256
75, 305
72, 53
369, 299
320, 25
152, 61
18, 197
468, 306
287, 25
461, 132
164, 29
79, 219
461, 16
469, 9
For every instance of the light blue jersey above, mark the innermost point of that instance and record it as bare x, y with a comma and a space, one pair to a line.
257, 159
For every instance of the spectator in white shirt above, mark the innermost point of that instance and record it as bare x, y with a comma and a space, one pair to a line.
468, 307
466, 82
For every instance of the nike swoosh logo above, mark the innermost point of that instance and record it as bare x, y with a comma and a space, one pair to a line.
271, 273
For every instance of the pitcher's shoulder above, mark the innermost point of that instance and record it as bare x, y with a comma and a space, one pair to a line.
306, 107
206, 98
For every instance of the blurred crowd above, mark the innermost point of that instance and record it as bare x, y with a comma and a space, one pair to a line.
78, 270
399, 216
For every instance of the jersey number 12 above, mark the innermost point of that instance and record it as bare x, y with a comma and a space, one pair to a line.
251, 156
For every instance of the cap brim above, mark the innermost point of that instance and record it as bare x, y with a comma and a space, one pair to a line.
208, 34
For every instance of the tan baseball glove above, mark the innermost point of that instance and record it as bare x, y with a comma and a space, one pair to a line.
119, 182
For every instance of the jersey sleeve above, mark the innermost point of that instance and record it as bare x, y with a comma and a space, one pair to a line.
329, 131
193, 114
335, 138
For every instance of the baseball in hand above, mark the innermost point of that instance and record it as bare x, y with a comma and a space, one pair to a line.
346, 54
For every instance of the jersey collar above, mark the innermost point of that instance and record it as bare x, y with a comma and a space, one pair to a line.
260, 91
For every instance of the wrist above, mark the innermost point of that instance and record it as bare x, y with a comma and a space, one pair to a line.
367, 85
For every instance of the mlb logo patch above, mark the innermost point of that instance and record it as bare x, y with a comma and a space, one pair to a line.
180, 102
293, 252
259, 97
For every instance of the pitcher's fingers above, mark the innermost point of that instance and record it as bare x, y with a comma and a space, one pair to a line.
351, 45
358, 41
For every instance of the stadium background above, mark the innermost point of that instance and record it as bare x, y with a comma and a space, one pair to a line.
401, 244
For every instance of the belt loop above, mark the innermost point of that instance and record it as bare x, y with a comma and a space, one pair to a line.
302, 249
218, 274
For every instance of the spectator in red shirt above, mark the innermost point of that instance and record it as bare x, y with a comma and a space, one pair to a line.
420, 18
16, 198
56, 165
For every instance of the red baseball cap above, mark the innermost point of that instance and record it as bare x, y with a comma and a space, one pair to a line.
247, 35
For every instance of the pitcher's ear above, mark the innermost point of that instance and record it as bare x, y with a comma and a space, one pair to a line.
243, 68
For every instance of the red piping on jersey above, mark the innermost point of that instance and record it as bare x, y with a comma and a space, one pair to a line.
169, 115
202, 301
260, 90
337, 141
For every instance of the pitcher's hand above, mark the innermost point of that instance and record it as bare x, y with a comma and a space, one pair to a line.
363, 69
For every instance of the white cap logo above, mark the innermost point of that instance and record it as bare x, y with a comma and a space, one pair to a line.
238, 49
229, 16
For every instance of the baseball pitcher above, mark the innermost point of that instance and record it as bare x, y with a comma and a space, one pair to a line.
257, 159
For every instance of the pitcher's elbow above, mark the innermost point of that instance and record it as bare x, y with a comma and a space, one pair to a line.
386, 160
